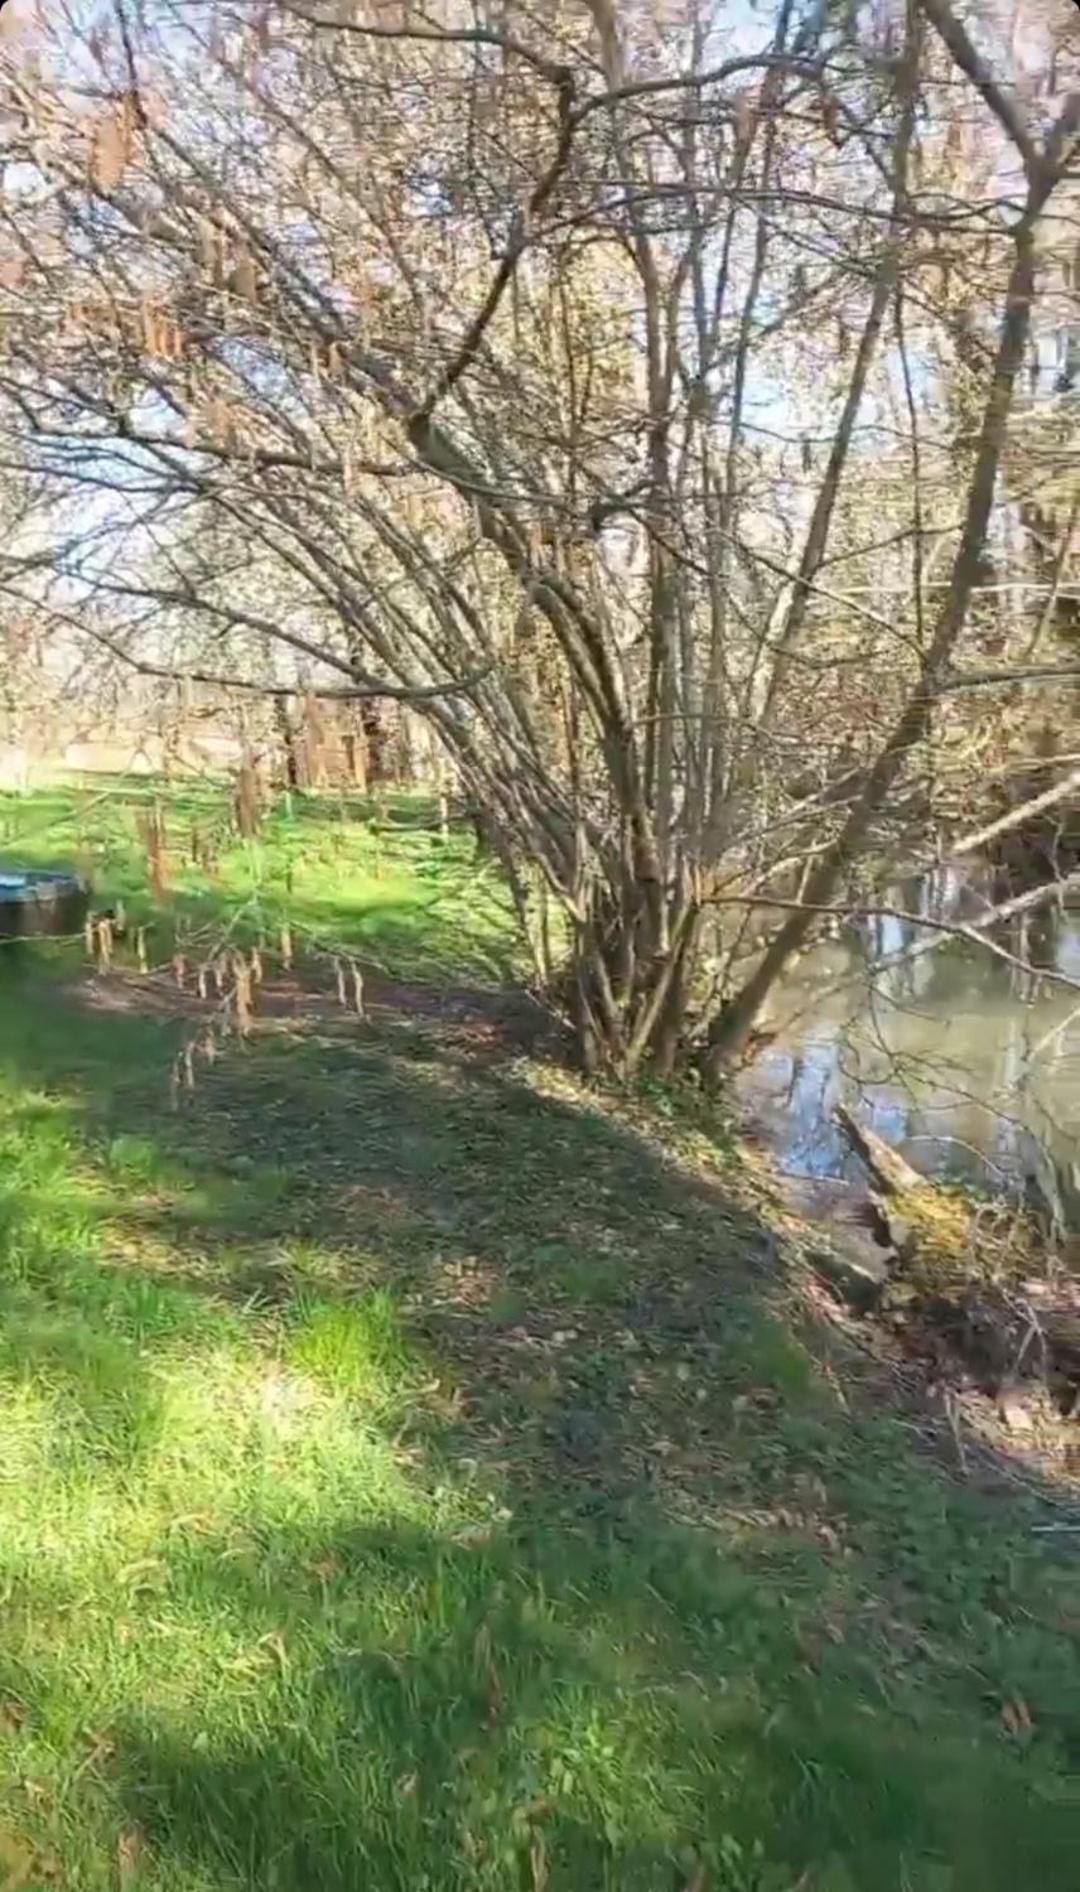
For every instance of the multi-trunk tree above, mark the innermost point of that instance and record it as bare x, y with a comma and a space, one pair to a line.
626, 389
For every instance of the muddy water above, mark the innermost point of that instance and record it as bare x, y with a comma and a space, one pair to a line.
970, 1065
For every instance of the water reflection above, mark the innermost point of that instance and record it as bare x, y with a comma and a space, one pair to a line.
969, 1064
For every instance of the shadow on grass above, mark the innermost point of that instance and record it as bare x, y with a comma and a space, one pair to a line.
438, 1495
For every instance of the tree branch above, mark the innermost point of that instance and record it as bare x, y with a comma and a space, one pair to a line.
972, 932
1061, 791
515, 247
435, 35
394, 693
975, 67
1022, 673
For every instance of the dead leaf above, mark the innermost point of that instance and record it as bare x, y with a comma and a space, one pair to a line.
482, 1648
12, 1717
745, 119
243, 281
1016, 1716
538, 1863
111, 148
275, 1642
130, 1848
101, 1746
139, 1570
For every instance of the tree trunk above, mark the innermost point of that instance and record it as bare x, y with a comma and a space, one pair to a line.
733, 1027
376, 737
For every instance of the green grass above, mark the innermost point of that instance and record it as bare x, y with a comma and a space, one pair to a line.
413, 1473
341, 871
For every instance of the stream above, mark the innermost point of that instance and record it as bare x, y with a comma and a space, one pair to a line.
969, 1065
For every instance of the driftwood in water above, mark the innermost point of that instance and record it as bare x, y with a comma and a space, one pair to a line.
972, 1273
886, 1165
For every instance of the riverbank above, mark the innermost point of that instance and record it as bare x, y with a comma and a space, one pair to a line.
974, 1300
423, 1468
966, 1060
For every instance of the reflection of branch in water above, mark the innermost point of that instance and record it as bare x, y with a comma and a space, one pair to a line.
1055, 1031
970, 1149
863, 1062
914, 1087
955, 1095
859, 982
907, 1069
942, 929
974, 932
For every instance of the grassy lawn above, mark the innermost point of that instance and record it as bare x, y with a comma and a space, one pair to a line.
413, 1470
376, 881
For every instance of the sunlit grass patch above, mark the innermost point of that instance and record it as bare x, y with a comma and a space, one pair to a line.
412, 1476
354, 1347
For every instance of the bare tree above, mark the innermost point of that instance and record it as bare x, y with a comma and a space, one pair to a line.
537, 372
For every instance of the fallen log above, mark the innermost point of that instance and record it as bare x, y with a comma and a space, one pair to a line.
968, 1273
887, 1167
